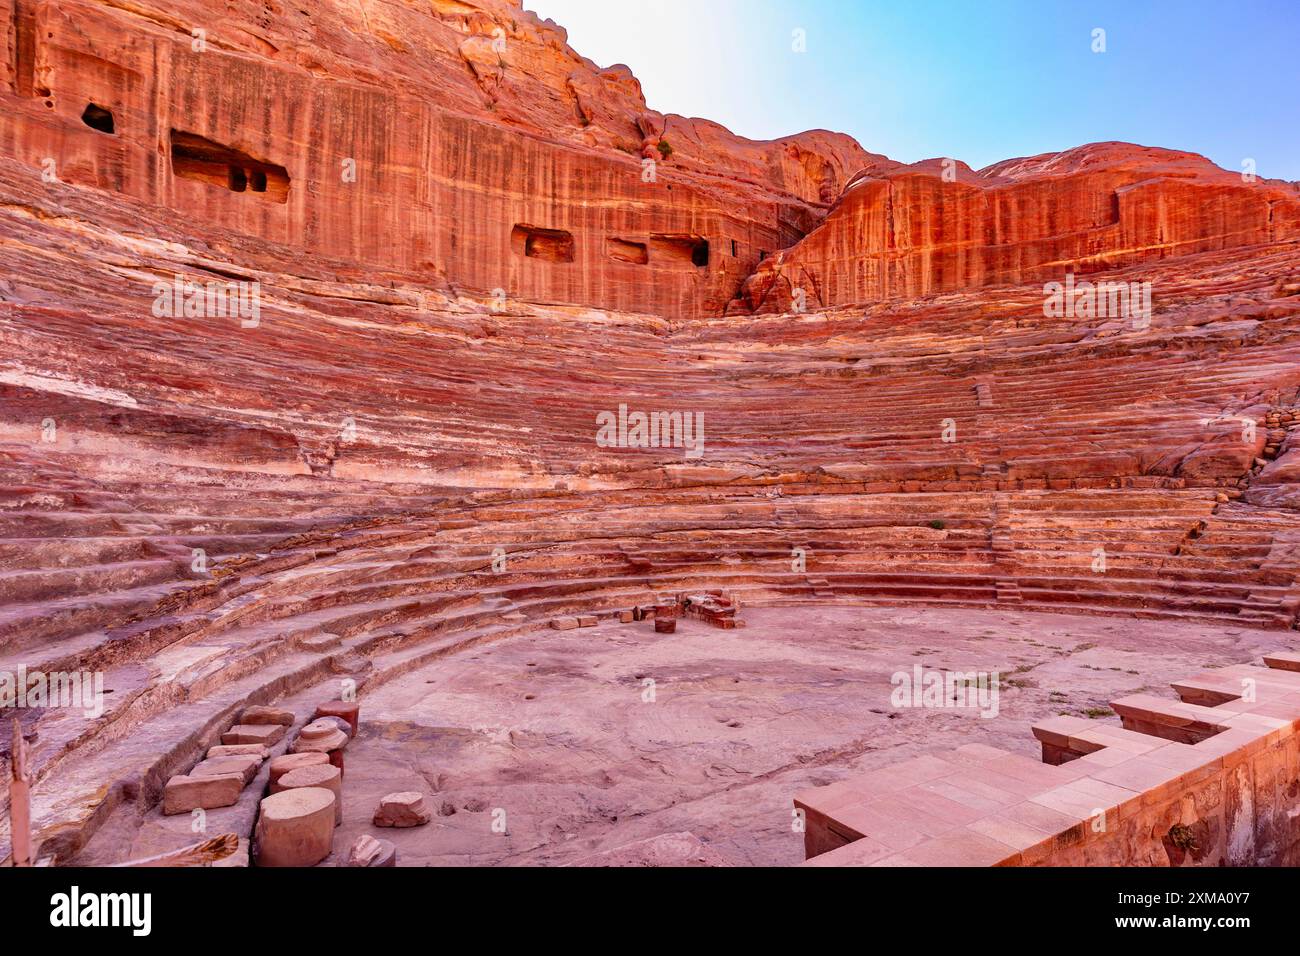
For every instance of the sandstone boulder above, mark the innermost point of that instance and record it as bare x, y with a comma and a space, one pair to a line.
267, 735
295, 827
370, 852
406, 809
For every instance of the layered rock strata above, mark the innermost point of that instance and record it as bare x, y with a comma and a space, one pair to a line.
391, 461
937, 226
464, 145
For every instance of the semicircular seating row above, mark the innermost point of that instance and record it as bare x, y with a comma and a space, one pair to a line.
825, 475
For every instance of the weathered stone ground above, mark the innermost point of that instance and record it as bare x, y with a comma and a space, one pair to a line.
552, 728
190, 503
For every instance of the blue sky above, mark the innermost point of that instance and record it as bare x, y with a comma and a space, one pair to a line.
979, 81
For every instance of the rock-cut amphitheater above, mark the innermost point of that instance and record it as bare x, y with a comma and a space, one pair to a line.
442, 458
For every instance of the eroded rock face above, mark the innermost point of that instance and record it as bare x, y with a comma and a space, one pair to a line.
400, 810
938, 226
219, 515
426, 139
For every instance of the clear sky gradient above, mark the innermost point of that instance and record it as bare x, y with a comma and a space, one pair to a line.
977, 80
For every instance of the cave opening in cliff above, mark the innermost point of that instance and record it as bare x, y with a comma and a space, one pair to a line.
97, 117
195, 157
680, 248
549, 245
624, 250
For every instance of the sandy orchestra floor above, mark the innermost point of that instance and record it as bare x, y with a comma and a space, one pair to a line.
551, 749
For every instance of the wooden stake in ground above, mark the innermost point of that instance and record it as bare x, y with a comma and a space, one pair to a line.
20, 801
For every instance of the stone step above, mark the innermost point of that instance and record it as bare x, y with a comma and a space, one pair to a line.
1283, 660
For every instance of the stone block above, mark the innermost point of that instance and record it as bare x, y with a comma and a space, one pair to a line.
370, 852
320, 643
268, 735
183, 793
406, 809
258, 714
287, 762
295, 827
244, 767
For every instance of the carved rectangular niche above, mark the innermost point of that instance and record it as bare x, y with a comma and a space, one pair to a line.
624, 250
549, 245
680, 249
194, 157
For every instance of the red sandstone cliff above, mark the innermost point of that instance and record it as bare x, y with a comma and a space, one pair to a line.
938, 226
348, 464
463, 143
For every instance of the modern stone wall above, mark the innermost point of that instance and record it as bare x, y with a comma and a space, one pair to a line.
1195, 786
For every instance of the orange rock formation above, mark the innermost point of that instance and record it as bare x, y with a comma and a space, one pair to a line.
936, 226
465, 145
463, 262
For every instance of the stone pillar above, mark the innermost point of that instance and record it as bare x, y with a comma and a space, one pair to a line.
348, 710
287, 762
183, 793
296, 827
322, 737
324, 775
